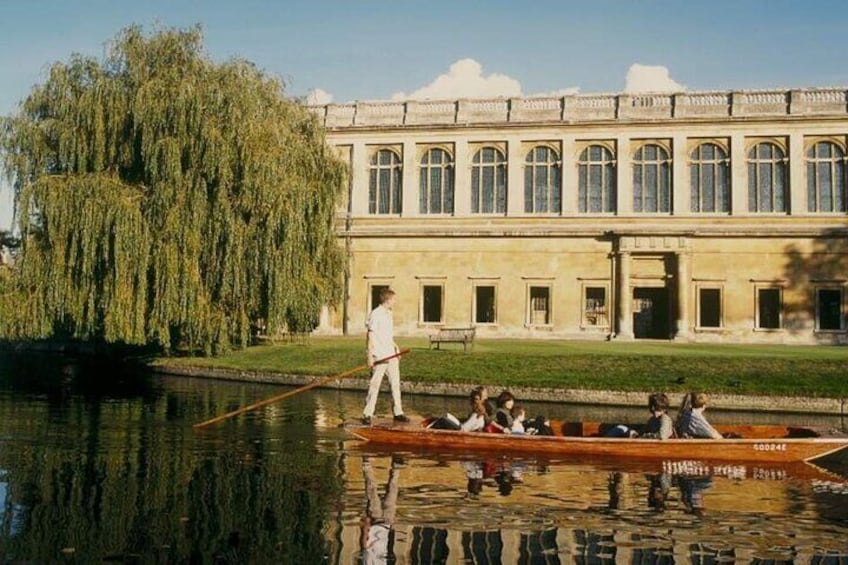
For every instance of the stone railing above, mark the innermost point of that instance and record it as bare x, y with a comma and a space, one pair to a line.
587, 108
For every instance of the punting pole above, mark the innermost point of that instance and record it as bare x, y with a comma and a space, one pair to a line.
313, 384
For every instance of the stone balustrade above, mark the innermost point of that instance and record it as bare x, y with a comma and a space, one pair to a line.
587, 108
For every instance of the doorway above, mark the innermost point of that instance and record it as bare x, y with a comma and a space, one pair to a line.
651, 316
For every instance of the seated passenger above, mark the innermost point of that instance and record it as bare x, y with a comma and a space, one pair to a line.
519, 415
691, 422
487, 403
503, 417
659, 425
476, 421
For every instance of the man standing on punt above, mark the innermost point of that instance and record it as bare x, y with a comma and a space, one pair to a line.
380, 343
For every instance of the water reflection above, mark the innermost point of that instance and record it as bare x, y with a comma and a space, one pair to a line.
90, 471
529, 511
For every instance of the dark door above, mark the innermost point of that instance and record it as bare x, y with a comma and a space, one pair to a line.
650, 313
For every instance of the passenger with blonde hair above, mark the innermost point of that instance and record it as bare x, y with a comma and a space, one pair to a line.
691, 422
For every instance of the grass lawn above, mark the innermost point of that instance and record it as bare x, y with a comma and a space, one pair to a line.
640, 366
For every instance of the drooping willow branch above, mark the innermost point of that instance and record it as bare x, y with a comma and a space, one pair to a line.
165, 198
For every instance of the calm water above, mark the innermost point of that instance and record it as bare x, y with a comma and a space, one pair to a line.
115, 472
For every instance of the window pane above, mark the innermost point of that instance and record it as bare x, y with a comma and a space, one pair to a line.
501, 180
475, 190
372, 192
610, 184
665, 188
583, 174
829, 303
769, 308
650, 189
542, 194
780, 186
556, 191
637, 188
436, 190
397, 184
528, 189
448, 209
485, 304
540, 305
422, 190
710, 308
432, 304
708, 188
595, 307
488, 190
823, 176
723, 188
752, 188
695, 187
839, 187
765, 188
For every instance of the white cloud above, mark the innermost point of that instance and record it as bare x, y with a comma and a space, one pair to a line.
464, 79
318, 97
650, 78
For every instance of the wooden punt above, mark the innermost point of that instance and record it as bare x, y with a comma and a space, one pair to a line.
756, 443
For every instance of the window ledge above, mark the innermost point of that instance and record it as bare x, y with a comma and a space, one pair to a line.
770, 330
545, 327
595, 328
709, 329
431, 325
842, 331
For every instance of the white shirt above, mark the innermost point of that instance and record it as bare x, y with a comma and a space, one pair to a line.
517, 427
381, 330
474, 423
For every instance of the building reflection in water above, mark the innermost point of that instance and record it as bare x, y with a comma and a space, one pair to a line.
499, 511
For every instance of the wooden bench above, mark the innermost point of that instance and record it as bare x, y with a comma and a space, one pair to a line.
465, 336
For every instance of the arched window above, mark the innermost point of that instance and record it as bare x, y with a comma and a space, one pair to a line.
488, 182
651, 179
710, 179
826, 178
596, 189
542, 185
385, 186
767, 186
436, 182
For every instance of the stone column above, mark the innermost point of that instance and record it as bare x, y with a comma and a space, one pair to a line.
514, 178
624, 176
795, 174
359, 178
683, 287
409, 174
569, 176
461, 179
738, 175
680, 189
624, 325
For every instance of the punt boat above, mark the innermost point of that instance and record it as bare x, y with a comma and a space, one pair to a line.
745, 443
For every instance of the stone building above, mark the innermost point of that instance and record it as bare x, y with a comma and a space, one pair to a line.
702, 216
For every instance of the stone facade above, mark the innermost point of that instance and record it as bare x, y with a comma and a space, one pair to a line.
702, 216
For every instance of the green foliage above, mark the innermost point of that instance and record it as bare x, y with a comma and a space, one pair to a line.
167, 199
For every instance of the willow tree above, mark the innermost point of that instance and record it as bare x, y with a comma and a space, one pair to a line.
165, 198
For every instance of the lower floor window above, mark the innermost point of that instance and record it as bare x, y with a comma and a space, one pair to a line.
540, 306
768, 308
376, 289
485, 310
432, 300
709, 308
595, 306
828, 309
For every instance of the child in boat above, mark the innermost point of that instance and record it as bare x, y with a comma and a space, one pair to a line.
519, 415
659, 425
691, 423
503, 417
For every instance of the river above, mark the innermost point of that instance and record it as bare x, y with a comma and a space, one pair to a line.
98, 463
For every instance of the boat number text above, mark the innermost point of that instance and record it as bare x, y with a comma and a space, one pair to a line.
769, 447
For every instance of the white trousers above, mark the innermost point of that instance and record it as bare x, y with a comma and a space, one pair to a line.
392, 369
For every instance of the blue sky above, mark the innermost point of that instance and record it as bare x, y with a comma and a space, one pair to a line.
374, 50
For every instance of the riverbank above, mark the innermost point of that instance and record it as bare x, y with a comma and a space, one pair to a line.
737, 377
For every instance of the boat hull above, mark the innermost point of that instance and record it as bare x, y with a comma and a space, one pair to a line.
772, 450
